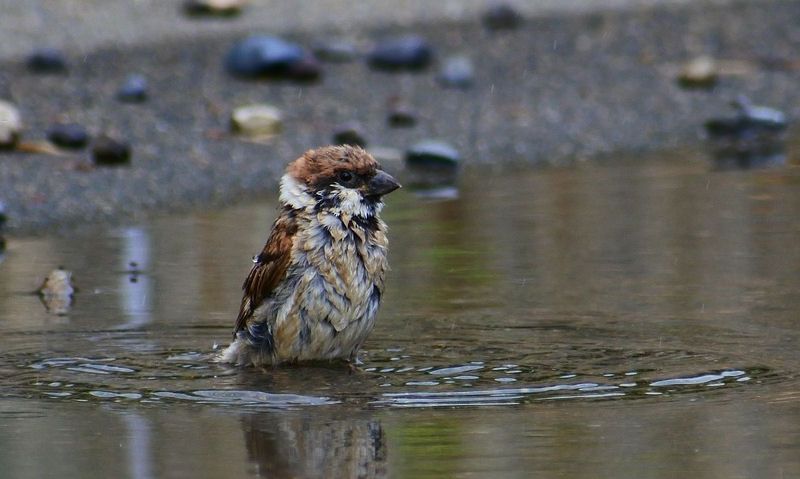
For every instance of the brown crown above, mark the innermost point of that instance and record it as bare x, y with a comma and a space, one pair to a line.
320, 165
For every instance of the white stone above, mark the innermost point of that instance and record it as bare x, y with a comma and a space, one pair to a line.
257, 120
10, 124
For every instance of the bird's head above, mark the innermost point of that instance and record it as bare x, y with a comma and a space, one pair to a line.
344, 179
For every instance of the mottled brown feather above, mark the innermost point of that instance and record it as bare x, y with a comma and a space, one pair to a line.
269, 269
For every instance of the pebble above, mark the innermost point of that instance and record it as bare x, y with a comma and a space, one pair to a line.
457, 72
265, 56
133, 89
349, 134
3, 216
701, 72
431, 164
10, 125
47, 60
433, 153
306, 69
762, 116
222, 8
108, 151
501, 16
753, 138
57, 291
400, 115
68, 135
409, 52
257, 120
749, 122
335, 51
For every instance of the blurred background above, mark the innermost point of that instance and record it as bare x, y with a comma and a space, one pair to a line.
594, 257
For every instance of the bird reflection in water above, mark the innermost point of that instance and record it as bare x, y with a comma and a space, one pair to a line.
282, 444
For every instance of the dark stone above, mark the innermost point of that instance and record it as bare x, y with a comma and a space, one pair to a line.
47, 60
69, 135
133, 90
432, 164
501, 16
401, 116
335, 51
433, 153
212, 8
410, 52
750, 121
3, 216
306, 69
753, 138
349, 134
457, 72
265, 57
107, 151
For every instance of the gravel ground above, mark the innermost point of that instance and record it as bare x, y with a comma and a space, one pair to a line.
570, 83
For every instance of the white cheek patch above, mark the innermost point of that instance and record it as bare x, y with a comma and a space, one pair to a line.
294, 193
350, 203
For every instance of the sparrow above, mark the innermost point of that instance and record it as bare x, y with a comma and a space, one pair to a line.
314, 290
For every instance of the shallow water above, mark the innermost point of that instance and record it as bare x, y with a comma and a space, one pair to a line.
624, 318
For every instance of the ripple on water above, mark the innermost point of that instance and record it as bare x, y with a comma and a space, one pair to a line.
245, 398
175, 378
83, 365
565, 387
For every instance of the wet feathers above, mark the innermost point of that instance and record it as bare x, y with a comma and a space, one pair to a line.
314, 290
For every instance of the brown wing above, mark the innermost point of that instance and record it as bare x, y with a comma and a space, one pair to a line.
269, 268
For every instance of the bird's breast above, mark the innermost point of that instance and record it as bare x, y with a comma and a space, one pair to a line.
343, 267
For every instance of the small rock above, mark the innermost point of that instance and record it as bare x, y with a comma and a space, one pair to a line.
69, 135
753, 138
762, 116
349, 134
307, 69
432, 163
409, 52
3, 216
221, 8
257, 120
501, 16
133, 90
457, 72
38, 147
700, 72
264, 56
401, 116
335, 51
433, 153
57, 292
751, 121
10, 125
108, 151
47, 60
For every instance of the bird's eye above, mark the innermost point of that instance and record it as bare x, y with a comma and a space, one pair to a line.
347, 179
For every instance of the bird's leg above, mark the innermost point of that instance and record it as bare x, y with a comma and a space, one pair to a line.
354, 363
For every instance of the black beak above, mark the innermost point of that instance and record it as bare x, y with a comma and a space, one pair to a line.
381, 184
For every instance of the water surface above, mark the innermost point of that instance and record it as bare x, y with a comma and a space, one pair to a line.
625, 318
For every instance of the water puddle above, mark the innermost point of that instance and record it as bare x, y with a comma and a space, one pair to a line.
584, 310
